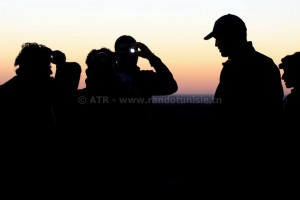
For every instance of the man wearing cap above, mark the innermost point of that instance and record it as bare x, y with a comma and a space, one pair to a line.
250, 89
251, 96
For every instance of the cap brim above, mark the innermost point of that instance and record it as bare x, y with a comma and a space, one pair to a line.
209, 36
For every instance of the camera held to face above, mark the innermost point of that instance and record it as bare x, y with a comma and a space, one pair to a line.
132, 50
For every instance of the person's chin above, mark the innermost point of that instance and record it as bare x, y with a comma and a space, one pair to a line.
223, 54
288, 85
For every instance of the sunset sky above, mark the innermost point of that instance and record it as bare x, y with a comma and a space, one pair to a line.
172, 29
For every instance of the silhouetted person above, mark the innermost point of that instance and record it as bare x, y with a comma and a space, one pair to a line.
112, 128
250, 90
26, 99
149, 83
27, 121
67, 74
67, 77
290, 65
251, 97
104, 93
159, 81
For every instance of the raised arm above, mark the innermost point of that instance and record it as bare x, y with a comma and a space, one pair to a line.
164, 82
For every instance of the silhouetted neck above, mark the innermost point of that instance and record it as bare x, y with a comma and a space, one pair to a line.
242, 50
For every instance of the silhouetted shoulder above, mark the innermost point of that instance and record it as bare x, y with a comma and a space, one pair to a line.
8, 86
264, 58
265, 64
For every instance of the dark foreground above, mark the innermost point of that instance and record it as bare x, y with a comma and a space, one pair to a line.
179, 158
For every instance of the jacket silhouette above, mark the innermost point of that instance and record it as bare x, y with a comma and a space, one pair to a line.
249, 90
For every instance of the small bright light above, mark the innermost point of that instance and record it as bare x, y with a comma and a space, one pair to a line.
132, 50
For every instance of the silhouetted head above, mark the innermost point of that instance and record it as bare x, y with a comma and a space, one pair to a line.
290, 65
101, 64
126, 53
34, 61
230, 33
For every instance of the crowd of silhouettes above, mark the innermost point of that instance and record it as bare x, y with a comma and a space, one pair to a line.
48, 110
104, 93
249, 94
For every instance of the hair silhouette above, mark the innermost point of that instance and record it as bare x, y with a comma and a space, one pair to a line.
34, 61
26, 98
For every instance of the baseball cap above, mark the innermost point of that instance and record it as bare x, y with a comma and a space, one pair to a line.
227, 25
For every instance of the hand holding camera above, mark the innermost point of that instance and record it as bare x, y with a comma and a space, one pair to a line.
144, 52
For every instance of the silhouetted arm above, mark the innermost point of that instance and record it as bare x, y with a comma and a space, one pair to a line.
164, 83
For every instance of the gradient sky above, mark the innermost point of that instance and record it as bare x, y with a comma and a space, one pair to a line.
172, 29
